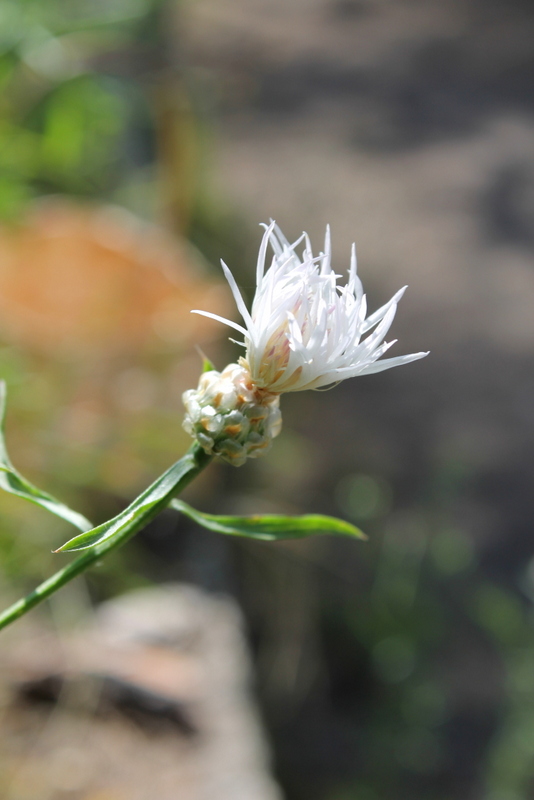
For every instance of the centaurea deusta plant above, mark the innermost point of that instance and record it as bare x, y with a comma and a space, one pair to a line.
304, 331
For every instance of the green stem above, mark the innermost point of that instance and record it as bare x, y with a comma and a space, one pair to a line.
190, 466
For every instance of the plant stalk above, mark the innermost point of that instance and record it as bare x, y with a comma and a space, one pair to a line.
192, 463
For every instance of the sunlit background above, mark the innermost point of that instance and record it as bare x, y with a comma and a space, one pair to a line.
141, 141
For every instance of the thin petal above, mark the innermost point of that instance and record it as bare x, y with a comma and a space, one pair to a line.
260, 267
355, 284
243, 310
342, 373
368, 345
388, 363
372, 319
223, 320
325, 265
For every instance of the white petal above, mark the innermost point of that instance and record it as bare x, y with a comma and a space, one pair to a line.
325, 265
388, 363
243, 310
223, 320
369, 344
260, 266
377, 316
354, 284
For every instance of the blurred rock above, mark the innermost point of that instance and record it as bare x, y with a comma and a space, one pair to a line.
150, 699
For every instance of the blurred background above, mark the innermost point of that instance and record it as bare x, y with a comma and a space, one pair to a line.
141, 141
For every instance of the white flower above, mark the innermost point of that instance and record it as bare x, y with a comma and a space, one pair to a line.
305, 331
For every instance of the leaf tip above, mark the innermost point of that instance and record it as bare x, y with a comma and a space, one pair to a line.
207, 364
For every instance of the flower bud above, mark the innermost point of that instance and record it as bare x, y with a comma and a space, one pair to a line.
230, 417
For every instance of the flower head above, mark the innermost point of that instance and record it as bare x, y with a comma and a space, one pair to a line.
304, 330
230, 417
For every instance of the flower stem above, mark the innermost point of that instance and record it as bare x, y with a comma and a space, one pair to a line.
187, 468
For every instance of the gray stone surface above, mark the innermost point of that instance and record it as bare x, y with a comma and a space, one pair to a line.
150, 700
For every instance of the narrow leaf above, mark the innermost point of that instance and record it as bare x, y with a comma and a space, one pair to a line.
207, 364
13, 482
270, 527
145, 507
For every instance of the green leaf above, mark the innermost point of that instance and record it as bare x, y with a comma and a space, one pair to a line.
270, 527
207, 365
146, 506
12, 481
